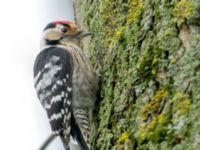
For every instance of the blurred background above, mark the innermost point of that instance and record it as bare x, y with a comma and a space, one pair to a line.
23, 122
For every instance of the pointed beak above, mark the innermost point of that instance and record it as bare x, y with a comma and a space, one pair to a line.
82, 34
85, 34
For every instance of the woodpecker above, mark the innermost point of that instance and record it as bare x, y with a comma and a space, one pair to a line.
65, 82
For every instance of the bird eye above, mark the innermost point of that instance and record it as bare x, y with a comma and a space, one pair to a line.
64, 30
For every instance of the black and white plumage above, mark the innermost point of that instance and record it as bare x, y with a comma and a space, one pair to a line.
65, 83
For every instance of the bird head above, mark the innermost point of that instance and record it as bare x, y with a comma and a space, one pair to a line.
63, 32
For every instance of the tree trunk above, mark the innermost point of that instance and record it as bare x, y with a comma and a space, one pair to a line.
149, 51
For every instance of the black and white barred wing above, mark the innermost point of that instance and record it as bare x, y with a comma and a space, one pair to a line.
53, 83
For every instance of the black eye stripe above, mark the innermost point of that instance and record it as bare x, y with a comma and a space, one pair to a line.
66, 25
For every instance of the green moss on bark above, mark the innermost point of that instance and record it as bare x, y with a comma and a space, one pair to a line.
150, 56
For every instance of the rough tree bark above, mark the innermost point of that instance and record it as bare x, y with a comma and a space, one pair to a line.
150, 54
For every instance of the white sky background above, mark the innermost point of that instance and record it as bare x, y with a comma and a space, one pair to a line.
23, 122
